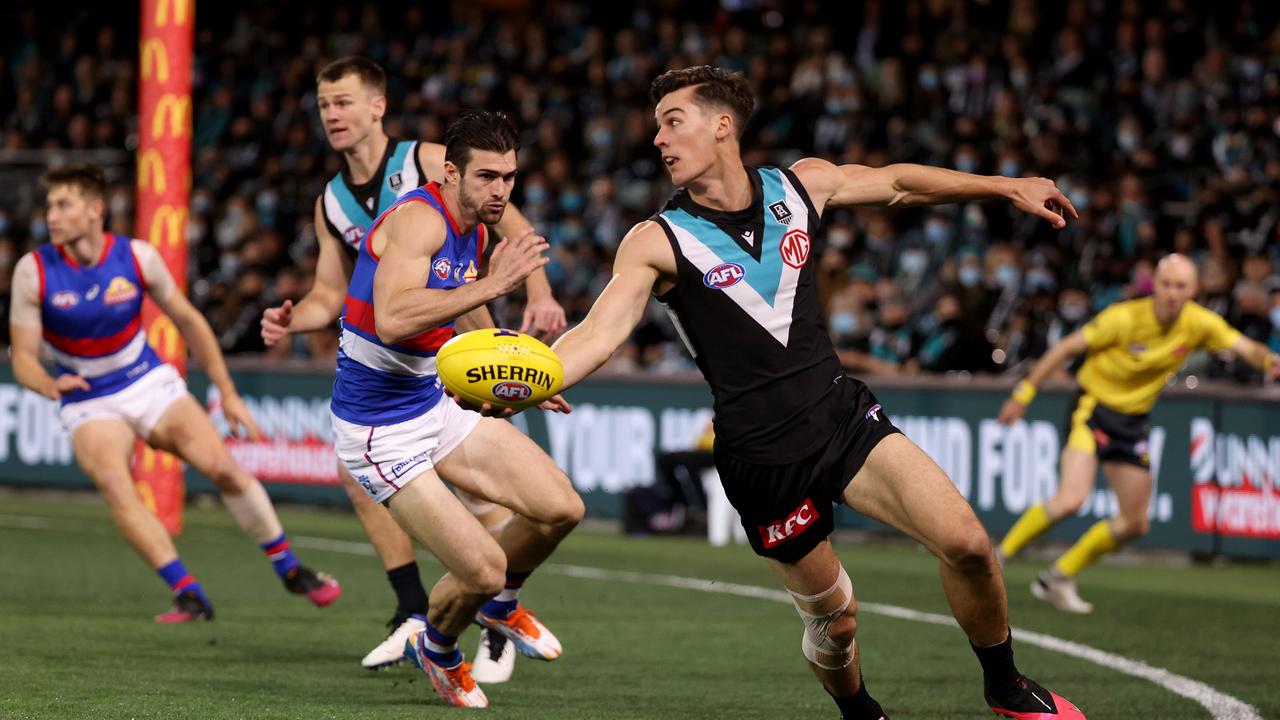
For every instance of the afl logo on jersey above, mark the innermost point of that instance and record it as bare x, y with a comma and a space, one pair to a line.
441, 268
724, 275
64, 300
353, 235
794, 248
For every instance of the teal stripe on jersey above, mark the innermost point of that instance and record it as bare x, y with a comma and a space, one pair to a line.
355, 212
395, 164
763, 276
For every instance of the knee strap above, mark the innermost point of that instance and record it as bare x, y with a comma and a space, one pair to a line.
816, 643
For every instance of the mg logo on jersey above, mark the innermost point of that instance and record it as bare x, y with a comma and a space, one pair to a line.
353, 235
64, 300
794, 248
783, 530
120, 290
724, 275
511, 391
441, 268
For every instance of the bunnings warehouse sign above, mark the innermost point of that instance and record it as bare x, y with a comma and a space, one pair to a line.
1215, 464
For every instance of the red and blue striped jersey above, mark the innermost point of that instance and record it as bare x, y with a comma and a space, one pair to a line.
381, 383
92, 317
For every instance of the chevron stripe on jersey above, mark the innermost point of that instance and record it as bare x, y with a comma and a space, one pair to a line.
768, 292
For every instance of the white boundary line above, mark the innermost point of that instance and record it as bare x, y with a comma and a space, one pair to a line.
1220, 705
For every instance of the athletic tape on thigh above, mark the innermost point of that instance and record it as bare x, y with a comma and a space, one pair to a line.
817, 626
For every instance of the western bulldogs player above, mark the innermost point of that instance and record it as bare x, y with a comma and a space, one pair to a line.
729, 256
399, 435
81, 296
351, 98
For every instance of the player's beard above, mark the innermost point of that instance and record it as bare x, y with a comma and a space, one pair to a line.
481, 209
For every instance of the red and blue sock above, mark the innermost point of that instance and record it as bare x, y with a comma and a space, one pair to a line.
180, 581
441, 649
501, 607
282, 558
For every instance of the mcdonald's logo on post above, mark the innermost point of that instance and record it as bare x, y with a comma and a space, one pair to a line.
151, 171
181, 11
168, 226
155, 61
164, 338
178, 110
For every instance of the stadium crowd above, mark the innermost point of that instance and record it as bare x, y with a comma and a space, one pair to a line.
1159, 120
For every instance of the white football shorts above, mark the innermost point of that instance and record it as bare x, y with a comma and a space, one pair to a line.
140, 404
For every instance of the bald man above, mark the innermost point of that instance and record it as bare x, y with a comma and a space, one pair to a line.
1132, 348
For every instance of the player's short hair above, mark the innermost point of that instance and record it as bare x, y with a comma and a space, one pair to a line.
478, 130
370, 73
89, 179
714, 86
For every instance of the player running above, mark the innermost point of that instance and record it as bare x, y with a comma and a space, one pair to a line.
1131, 350
81, 294
399, 435
377, 170
729, 256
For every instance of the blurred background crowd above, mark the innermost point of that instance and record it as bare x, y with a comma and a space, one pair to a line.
1159, 120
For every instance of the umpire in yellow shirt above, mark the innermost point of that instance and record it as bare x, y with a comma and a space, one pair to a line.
1132, 348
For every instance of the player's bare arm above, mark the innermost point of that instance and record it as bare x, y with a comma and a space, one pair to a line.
1259, 356
1067, 348
910, 185
543, 316
25, 331
405, 243
322, 304
644, 261
195, 330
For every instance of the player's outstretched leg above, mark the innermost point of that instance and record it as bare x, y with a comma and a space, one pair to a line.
901, 486
395, 551
186, 431
103, 449
524, 479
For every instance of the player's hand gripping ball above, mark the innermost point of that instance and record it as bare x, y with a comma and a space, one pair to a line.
504, 368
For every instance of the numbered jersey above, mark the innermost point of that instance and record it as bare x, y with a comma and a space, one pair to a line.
746, 305
349, 210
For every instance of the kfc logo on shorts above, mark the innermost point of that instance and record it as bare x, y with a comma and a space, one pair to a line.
441, 268
794, 248
790, 526
64, 300
724, 275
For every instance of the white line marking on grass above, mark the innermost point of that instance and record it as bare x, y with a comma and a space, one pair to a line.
1220, 705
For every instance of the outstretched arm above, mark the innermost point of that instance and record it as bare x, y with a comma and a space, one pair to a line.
1258, 355
619, 308
409, 237
907, 184
543, 316
1016, 406
323, 302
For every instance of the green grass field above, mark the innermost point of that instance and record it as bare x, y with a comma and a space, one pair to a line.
78, 640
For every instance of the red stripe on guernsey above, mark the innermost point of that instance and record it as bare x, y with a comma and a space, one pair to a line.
40, 268
137, 267
93, 347
186, 581
481, 238
433, 189
282, 546
108, 241
361, 314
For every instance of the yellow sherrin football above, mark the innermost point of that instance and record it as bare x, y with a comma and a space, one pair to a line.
504, 368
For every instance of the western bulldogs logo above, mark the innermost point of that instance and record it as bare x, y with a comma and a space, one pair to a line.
724, 275
783, 530
781, 212
512, 391
795, 248
441, 268
64, 300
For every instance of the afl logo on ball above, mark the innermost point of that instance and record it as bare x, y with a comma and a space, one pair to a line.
512, 391
724, 275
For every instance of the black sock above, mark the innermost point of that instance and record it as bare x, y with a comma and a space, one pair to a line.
411, 597
999, 675
860, 706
